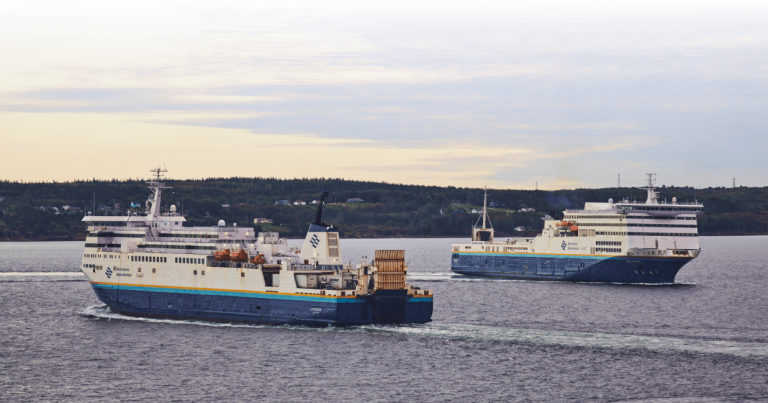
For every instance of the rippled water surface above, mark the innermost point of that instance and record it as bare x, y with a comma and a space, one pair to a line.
703, 339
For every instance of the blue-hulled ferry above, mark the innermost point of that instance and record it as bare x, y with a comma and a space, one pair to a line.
150, 265
624, 242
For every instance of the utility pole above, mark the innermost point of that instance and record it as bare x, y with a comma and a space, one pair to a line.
618, 184
734, 183
537, 185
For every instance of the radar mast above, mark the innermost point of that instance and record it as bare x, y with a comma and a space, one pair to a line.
652, 195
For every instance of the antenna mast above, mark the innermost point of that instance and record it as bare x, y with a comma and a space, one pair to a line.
651, 179
652, 195
618, 184
485, 198
734, 183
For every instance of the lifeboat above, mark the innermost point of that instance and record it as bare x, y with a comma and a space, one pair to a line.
562, 224
239, 256
221, 255
258, 259
574, 228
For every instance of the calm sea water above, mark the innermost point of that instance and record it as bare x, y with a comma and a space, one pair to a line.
704, 339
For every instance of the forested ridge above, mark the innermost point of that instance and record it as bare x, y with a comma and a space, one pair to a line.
28, 210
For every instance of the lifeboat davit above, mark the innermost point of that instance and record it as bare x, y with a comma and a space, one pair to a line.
239, 256
221, 255
259, 259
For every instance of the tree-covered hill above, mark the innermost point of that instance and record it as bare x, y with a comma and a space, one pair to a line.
27, 210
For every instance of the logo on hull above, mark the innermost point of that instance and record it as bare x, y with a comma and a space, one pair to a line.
108, 273
563, 245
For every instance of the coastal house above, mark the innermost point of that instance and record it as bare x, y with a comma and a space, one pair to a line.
519, 228
299, 203
316, 202
262, 221
476, 211
283, 202
2, 198
225, 205
527, 209
354, 200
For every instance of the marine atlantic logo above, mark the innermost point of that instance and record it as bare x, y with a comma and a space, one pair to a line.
108, 272
563, 245
314, 241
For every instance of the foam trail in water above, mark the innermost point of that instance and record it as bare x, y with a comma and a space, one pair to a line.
501, 334
42, 273
579, 339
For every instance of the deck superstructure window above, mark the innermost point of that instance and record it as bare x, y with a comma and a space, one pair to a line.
194, 272
153, 271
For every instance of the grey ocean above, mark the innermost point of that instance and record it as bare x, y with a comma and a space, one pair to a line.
704, 339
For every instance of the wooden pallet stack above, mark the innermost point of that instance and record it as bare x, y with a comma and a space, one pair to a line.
390, 270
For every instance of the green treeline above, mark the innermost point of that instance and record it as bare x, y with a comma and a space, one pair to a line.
27, 211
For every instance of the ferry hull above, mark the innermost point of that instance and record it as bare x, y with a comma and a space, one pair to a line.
263, 308
619, 269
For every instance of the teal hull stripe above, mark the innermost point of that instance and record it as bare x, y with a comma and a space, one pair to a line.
248, 294
541, 255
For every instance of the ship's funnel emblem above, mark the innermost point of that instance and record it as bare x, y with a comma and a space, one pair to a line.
108, 272
314, 241
563, 245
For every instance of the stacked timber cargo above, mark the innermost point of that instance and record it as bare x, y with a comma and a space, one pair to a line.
390, 270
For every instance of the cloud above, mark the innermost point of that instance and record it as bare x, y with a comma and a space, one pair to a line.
507, 94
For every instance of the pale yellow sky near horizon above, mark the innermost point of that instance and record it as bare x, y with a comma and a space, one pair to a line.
125, 146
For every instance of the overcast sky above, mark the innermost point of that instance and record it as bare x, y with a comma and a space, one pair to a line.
504, 94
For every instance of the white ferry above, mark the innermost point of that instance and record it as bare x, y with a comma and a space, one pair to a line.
150, 265
624, 242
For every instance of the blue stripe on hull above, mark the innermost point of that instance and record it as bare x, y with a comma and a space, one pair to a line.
253, 308
570, 268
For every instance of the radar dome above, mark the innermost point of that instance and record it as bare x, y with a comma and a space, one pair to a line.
222, 223
610, 201
173, 208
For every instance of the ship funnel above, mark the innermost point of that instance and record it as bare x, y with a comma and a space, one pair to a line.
321, 246
319, 213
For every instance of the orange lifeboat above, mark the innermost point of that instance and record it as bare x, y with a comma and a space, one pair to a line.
574, 228
562, 224
221, 255
258, 259
239, 256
